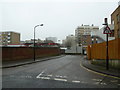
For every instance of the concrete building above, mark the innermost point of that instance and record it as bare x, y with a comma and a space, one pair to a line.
9, 37
83, 34
115, 20
54, 39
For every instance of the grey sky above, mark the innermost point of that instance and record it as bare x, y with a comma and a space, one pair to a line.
59, 18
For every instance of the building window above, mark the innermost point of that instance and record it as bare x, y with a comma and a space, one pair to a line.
113, 22
8, 37
118, 18
8, 41
9, 33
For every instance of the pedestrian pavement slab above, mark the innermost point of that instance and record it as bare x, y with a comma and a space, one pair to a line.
100, 69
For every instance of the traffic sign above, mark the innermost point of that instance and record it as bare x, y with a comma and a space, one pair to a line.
107, 30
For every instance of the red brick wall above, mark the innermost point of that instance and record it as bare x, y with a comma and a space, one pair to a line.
17, 53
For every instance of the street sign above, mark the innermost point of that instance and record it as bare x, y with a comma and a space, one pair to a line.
107, 30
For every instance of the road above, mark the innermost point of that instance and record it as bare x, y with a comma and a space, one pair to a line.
64, 72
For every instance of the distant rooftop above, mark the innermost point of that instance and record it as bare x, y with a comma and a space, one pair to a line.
11, 32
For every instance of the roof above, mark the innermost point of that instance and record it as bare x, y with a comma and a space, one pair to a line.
11, 32
115, 10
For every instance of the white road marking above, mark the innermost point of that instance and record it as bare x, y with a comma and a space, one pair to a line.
49, 75
97, 79
40, 74
103, 83
76, 81
58, 79
61, 76
44, 78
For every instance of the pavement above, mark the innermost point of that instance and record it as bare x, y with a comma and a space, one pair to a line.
85, 63
101, 69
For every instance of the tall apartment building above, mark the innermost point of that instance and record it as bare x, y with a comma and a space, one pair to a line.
83, 34
115, 19
9, 38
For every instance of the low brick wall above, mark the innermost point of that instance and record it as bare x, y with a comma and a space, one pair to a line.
19, 53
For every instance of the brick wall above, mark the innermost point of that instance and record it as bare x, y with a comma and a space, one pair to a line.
19, 53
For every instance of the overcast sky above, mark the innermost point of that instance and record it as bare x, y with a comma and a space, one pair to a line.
60, 18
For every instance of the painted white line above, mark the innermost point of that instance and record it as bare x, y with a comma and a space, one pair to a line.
61, 76
49, 75
40, 74
44, 78
97, 79
58, 79
57, 76
103, 83
76, 81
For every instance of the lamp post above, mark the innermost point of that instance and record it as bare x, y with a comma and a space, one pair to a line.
34, 39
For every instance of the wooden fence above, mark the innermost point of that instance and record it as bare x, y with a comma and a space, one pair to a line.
98, 51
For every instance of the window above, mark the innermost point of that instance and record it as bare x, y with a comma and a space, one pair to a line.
9, 33
8, 37
118, 18
113, 22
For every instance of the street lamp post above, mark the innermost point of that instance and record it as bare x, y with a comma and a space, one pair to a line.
34, 39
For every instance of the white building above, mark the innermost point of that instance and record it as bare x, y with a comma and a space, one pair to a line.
54, 39
99, 33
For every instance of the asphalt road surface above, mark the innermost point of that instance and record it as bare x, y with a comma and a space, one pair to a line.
64, 72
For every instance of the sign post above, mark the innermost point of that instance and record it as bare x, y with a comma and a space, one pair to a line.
107, 31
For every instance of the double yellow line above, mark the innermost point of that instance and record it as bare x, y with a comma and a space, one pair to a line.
98, 72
